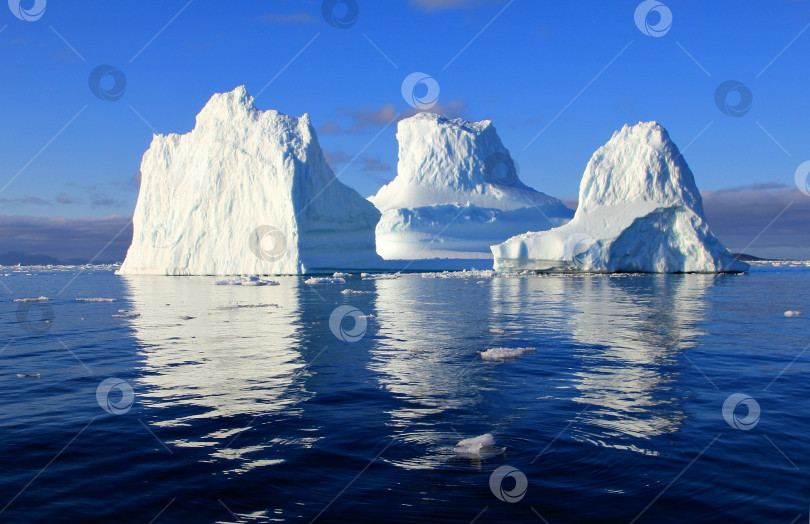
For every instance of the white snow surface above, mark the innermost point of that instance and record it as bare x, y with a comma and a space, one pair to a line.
246, 192
456, 192
639, 210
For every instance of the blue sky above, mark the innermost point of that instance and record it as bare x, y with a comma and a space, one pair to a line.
576, 71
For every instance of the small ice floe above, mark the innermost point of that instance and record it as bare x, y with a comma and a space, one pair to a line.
497, 331
324, 280
367, 317
477, 274
338, 274
253, 280
232, 304
793, 313
256, 281
379, 276
480, 447
505, 353
25, 375
96, 299
354, 292
32, 299
124, 313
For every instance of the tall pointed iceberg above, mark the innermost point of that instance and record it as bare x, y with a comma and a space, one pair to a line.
639, 210
456, 192
246, 191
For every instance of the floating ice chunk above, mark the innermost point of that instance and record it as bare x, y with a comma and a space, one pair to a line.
338, 274
505, 353
126, 314
497, 331
246, 281
96, 299
25, 375
482, 446
354, 292
324, 280
379, 276
32, 299
260, 283
793, 313
466, 273
232, 304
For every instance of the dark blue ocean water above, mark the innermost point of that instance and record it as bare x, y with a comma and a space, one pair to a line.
246, 407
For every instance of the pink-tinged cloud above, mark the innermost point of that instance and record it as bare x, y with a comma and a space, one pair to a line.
436, 5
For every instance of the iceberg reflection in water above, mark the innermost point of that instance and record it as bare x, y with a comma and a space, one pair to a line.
218, 353
236, 355
634, 329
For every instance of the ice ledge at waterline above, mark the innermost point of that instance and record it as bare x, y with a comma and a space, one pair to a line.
246, 192
639, 210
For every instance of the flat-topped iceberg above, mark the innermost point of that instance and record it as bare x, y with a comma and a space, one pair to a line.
456, 192
246, 192
639, 210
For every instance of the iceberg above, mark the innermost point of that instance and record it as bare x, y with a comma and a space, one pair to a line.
639, 210
246, 192
456, 193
